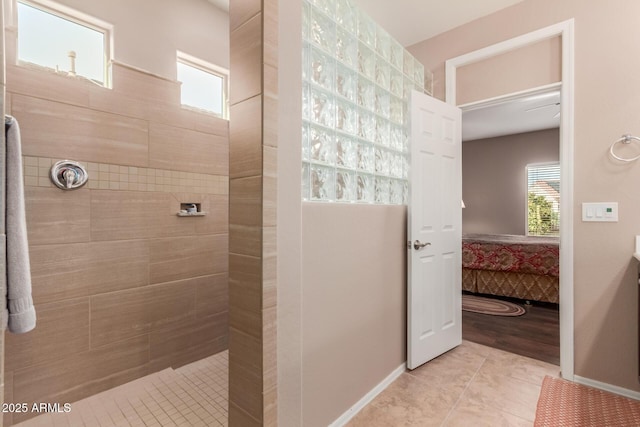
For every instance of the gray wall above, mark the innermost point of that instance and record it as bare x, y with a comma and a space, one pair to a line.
494, 182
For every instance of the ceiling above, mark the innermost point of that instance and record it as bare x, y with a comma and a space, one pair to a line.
411, 21
516, 115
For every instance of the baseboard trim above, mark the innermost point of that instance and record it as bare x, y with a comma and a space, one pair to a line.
351, 412
607, 387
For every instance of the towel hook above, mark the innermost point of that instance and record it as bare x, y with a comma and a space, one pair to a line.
625, 139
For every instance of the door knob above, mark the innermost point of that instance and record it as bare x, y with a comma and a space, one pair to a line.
417, 245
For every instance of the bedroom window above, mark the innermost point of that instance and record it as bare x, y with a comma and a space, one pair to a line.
61, 39
543, 199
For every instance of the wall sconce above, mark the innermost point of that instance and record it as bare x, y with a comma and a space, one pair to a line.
463, 206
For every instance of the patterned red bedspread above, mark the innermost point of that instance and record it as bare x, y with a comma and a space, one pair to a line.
517, 254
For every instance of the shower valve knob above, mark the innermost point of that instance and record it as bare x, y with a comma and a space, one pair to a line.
68, 175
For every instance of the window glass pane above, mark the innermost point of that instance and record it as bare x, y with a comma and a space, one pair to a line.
201, 89
356, 83
543, 200
46, 39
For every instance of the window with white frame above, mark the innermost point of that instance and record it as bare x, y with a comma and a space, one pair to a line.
57, 38
543, 199
203, 85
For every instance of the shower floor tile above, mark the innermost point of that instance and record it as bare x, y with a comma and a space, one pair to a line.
192, 395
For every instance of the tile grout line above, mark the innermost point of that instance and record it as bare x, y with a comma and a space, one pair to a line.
455, 405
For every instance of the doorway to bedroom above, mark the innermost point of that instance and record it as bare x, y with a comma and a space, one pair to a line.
514, 66
510, 223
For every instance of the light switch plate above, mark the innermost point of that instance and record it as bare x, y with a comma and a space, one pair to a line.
600, 212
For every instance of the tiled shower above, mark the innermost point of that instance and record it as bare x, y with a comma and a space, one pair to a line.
123, 286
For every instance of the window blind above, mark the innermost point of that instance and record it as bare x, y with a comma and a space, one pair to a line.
543, 199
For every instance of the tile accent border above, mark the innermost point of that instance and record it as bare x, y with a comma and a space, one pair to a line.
104, 176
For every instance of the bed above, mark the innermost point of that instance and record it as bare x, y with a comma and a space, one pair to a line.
524, 267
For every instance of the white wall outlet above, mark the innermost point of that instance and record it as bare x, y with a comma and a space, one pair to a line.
600, 212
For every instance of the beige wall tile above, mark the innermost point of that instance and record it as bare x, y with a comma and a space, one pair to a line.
172, 342
270, 161
270, 412
59, 272
186, 150
246, 351
63, 330
57, 130
217, 208
187, 118
246, 60
245, 142
245, 387
38, 83
212, 295
178, 258
123, 103
57, 216
117, 265
245, 205
120, 215
245, 240
8, 396
245, 284
187, 355
270, 120
270, 32
117, 316
269, 349
269, 201
269, 281
67, 271
242, 10
143, 85
80, 370
244, 320
209, 124
238, 417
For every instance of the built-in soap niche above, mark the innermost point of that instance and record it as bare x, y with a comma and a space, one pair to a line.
191, 209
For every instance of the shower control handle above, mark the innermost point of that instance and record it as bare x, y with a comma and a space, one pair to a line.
68, 175
417, 245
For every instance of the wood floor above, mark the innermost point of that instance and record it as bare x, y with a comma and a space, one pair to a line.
535, 334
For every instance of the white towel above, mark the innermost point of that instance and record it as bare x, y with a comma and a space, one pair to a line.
21, 313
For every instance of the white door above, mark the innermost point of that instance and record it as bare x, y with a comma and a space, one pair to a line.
434, 304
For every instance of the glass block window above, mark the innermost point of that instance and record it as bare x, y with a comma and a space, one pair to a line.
355, 104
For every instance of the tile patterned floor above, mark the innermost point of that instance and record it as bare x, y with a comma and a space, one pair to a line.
469, 385
193, 395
